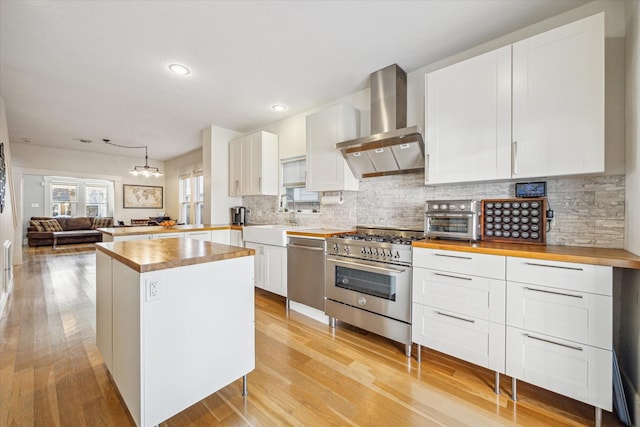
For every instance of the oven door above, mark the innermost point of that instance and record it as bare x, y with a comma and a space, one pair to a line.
373, 286
452, 226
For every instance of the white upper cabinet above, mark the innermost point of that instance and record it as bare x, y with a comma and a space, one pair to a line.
326, 168
253, 165
558, 101
533, 109
469, 120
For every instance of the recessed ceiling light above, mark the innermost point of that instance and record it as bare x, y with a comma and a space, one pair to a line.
179, 69
84, 140
279, 107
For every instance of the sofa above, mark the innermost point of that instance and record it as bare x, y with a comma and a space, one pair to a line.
69, 230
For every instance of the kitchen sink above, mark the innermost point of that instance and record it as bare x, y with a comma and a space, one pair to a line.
270, 234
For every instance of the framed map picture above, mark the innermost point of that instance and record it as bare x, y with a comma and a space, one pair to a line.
142, 197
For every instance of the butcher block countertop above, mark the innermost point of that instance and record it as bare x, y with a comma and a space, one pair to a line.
156, 229
583, 255
160, 254
322, 233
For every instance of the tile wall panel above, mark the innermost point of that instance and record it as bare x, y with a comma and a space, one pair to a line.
589, 211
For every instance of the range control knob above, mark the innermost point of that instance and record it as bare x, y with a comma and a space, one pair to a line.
397, 255
335, 247
346, 249
362, 300
374, 251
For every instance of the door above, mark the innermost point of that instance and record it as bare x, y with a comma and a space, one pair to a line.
468, 120
558, 101
275, 269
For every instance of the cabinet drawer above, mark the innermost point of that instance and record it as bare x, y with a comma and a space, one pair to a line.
460, 262
581, 372
474, 340
577, 316
467, 295
595, 279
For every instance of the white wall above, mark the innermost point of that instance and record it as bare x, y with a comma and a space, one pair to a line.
8, 219
215, 156
630, 305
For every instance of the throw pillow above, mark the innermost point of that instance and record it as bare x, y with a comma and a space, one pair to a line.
101, 222
50, 225
36, 224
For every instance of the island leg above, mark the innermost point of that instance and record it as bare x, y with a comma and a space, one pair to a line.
244, 386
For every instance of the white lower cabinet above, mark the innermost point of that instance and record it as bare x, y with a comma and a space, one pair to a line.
270, 269
579, 371
547, 323
198, 235
221, 236
235, 237
167, 235
456, 312
560, 328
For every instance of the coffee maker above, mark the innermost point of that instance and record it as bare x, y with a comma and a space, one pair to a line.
238, 215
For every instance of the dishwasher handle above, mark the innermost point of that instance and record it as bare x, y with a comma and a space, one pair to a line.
310, 248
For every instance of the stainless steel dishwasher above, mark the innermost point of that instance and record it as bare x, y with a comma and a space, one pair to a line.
305, 271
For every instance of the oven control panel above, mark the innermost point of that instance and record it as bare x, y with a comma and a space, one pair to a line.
514, 220
376, 252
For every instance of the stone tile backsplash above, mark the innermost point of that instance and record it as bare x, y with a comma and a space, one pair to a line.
589, 211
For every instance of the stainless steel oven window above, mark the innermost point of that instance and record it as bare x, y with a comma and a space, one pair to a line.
366, 282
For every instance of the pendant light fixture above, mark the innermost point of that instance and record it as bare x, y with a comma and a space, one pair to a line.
145, 170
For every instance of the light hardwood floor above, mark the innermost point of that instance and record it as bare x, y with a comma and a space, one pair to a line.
51, 373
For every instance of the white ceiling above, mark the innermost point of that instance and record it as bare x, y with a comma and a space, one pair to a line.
98, 69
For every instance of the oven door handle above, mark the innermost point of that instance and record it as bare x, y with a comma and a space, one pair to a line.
366, 266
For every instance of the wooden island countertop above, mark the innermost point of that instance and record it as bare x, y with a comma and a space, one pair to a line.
160, 254
578, 254
156, 229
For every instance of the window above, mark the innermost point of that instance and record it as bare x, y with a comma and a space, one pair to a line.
294, 196
68, 196
96, 200
64, 199
192, 198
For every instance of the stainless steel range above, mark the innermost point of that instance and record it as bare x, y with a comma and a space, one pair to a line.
368, 280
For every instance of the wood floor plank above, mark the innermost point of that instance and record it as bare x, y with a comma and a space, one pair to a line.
307, 374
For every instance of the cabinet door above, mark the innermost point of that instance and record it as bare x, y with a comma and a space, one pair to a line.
326, 168
235, 238
235, 167
248, 162
571, 315
470, 296
474, 340
468, 118
199, 235
579, 371
275, 269
558, 101
220, 236
258, 259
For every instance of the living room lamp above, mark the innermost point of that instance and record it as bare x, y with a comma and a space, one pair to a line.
145, 170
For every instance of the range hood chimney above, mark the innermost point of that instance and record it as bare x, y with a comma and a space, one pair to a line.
392, 148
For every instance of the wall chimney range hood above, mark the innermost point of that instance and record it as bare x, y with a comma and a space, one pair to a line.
392, 148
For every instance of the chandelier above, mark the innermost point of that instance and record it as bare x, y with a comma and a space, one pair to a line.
145, 170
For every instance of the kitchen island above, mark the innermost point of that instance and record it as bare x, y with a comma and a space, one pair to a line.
174, 321
220, 233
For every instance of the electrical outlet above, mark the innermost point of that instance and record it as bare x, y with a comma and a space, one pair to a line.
153, 290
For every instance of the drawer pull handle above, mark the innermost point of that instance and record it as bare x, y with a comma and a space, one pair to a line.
572, 347
554, 266
552, 292
454, 256
455, 317
452, 276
